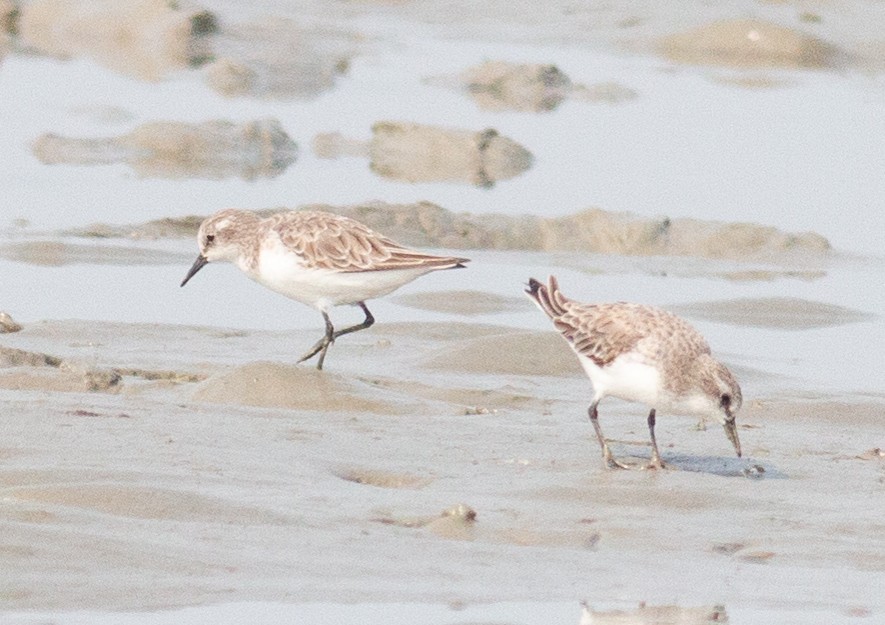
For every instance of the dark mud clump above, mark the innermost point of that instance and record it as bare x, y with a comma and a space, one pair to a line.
214, 150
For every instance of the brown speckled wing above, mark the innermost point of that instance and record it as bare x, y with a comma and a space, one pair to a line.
327, 241
600, 332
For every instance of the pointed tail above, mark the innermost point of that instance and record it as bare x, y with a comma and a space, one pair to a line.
548, 298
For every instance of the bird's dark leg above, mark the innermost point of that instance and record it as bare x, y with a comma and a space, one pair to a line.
322, 344
655, 455
610, 461
369, 320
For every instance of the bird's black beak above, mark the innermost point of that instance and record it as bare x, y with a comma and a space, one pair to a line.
198, 264
731, 433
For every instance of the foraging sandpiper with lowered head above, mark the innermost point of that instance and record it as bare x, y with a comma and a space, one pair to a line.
642, 354
316, 258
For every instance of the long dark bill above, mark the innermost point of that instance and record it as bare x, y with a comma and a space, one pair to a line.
731, 433
198, 264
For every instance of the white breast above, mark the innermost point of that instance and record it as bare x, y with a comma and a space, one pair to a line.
626, 377
284, 272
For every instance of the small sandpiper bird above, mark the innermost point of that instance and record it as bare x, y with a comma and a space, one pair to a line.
646, 355
319, 259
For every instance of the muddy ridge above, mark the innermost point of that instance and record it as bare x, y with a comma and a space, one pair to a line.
214, 149
592, 230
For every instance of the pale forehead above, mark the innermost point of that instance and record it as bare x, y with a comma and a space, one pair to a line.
221, 221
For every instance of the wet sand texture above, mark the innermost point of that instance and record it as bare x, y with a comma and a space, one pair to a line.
500, 86
785, 313
419, 153
56, 254
335, 145
608, 92
520, 353
655, 615
747, 44
467, 302
143, 38
136, 502
278, 59
213, 149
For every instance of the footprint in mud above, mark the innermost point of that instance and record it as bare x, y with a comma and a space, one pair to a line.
455, 523
382, 479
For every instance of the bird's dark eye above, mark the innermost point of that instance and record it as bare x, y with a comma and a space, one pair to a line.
725, 400
210, 238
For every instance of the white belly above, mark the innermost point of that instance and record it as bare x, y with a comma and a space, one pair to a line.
625, 378
283, 272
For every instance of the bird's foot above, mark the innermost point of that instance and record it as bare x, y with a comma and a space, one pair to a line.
611, 463
319, 346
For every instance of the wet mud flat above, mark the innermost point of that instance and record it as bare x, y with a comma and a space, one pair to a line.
161, 449
227, 473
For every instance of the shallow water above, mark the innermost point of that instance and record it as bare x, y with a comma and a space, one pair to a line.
211, 482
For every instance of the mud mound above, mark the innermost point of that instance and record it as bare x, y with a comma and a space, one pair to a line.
383, 479
750, 44
516, 353
419, 153
786, 313
498, 86
56, 254
143, 38
214, 149
277, 58
145, 503
593, 230
461, 302
273, 385
652, 615
8, 324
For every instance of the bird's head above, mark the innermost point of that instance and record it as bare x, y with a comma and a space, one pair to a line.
722, 396
221, 238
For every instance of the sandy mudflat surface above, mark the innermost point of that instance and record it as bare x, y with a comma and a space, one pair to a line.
165, 460
265, 481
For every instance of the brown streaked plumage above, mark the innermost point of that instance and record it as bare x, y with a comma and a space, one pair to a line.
319, 259
643, 354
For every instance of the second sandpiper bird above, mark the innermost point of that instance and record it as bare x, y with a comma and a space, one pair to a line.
646, 355
316, 258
